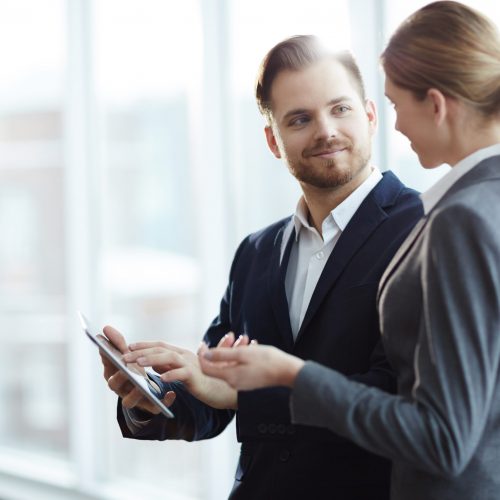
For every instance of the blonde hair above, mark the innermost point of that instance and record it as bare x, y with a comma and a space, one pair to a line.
451, 47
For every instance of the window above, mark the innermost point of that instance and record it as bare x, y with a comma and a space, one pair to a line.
32, 280
122, 168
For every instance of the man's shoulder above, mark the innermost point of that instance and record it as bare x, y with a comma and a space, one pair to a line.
269, 233
391, 194
262, 242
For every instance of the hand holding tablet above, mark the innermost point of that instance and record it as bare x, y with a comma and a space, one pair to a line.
139, 377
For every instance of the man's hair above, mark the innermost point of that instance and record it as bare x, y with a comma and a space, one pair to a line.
297, 53
450, 47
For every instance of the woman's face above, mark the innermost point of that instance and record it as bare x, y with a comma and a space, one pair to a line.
415, 119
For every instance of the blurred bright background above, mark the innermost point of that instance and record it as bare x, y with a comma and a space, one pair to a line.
132, 162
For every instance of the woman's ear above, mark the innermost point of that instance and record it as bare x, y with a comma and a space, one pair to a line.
439, 105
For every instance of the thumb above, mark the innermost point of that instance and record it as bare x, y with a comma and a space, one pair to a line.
116, 338
169, 398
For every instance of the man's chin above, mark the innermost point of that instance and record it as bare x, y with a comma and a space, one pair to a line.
328, 183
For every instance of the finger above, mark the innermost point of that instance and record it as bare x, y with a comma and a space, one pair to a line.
120, 384
203, 361
227, 340
131, 357
165, 360
225, 354
148, 345
135, 398
116, 338
169, 398
214, 369
109, 367
242, 340
203, 347
254, 342
183, 374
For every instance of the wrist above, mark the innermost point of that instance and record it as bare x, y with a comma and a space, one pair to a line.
290, 371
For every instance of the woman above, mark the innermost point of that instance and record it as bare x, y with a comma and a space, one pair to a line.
439, 299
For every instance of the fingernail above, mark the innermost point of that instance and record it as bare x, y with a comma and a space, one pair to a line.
208, 355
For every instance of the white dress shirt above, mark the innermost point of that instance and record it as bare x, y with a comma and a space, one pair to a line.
431, 197
310, 251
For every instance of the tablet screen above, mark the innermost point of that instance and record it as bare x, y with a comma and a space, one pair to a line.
142, 379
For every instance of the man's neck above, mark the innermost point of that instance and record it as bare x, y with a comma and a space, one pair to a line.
320, 201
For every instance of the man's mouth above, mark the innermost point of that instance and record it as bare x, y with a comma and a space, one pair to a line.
329, 153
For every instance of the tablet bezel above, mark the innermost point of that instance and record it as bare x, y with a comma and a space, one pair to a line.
115, 356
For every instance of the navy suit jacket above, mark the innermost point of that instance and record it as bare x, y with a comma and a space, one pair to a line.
340, 330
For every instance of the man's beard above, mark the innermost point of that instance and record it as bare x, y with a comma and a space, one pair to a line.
333, 173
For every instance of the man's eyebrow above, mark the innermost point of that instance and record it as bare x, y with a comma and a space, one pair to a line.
300, 111
294, 112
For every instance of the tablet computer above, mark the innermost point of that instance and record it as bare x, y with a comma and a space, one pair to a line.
141, 379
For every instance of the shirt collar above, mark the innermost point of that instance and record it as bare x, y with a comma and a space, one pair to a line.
433, 195
341, 214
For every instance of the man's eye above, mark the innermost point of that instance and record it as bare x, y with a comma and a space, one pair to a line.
298, 121
341, 109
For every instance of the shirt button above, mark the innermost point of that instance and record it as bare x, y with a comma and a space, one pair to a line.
284, 455
320, 255
262, 428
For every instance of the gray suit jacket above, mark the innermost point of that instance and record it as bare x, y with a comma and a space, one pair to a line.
439, 303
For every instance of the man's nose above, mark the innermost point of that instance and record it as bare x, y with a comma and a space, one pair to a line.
326, 128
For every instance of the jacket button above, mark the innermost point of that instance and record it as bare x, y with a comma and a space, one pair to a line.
272, 428
284, 455
281, 429
262, 428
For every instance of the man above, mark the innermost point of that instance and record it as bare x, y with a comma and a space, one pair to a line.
306, 284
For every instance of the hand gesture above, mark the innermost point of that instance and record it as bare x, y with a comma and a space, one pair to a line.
119, 383
178, 364
252, 366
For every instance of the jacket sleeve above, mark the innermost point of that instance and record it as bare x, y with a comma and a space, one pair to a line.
193, 420
438, 426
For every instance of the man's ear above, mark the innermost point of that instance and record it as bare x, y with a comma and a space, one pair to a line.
271, 141
371, 112
439, 104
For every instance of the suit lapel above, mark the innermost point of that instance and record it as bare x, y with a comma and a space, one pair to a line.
278, 267
402, 251
363, 223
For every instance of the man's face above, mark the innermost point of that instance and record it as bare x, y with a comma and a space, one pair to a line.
320, 126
